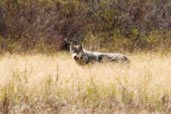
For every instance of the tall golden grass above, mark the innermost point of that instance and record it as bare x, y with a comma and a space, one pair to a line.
48, 84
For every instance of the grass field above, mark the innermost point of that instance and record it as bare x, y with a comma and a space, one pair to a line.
55, 84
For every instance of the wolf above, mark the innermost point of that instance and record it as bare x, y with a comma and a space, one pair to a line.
83, 56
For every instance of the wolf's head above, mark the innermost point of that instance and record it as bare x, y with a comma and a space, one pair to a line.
76, 51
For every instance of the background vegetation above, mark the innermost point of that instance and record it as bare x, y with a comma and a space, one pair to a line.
110, 24
34, 83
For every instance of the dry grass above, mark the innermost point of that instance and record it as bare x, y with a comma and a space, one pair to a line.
55, 84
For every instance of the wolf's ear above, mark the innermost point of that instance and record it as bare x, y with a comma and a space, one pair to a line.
71, 46
80, 46
71, 43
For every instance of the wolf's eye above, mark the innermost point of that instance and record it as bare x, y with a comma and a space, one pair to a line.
77, 52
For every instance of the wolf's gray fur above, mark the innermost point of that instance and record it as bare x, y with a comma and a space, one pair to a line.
83, 56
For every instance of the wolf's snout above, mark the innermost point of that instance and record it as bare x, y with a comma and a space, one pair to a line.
74, 56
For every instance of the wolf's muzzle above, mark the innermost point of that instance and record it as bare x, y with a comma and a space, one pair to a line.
74, 56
